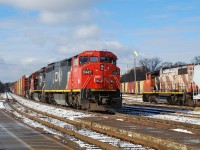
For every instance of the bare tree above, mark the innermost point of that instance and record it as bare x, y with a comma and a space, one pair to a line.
196, 59
166, 64
1, 87
144, 62
179, 63
150, 63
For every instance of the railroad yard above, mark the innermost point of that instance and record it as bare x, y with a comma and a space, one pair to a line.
99, 75
137, 125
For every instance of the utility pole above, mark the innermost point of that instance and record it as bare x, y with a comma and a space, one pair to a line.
136, 55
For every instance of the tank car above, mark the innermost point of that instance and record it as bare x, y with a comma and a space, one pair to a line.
174, 85
89, 80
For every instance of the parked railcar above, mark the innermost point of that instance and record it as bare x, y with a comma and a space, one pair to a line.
174, 85
128, 84
132, 87
90, 80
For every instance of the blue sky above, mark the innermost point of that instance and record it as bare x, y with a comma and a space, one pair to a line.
34, 33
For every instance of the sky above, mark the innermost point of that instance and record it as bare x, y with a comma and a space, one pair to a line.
34, 33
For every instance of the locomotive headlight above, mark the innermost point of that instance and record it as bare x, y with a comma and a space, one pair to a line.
111, 81
102, 67
97, 81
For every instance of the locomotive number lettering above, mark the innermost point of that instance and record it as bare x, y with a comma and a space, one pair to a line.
115, 73
87, 71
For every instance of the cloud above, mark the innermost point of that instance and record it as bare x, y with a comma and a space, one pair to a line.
64, 17
64, 28
58, 31
50, 5
79, 45
166, 30
191, 19
89, 31
54, 12
2, 61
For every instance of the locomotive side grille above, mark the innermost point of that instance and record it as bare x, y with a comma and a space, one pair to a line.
182, 71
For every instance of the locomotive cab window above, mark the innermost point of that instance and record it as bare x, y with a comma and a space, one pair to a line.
93, 59
108, 59
112, 61
83, 60
104, 59
69, 62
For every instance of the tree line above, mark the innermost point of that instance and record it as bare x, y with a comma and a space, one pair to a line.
2, 87
155, 63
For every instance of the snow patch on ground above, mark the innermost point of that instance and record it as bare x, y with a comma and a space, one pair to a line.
182, 130
178, 119
132, 98
120, 119
2, 105
68, 114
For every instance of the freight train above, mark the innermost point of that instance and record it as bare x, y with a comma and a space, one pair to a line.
89, 80
173, 85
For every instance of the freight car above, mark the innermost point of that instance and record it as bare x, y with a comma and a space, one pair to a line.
174, 85
89, 80
129, 86
20, 87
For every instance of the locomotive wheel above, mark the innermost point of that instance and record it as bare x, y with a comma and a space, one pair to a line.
43, 98
189, 101
74, 101
178, 101
151, 98
169, 100
173, 99
70, 101
145, 98
78, 101
52, 100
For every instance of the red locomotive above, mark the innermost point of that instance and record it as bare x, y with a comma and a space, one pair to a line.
90, 80
173, 85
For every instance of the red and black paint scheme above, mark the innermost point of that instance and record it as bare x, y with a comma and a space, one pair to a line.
89, 80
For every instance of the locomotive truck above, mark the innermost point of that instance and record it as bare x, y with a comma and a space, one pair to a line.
89, 80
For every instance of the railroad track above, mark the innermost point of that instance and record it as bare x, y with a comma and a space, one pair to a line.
144, 110
130, 99
149, 110
91, 135
142, 115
